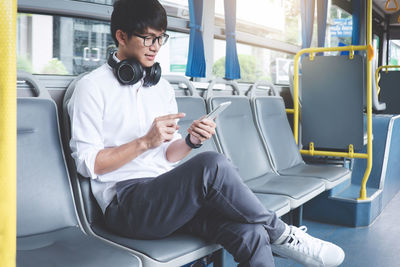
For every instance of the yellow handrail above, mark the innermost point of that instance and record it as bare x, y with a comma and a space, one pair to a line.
290, 110
351, 49
8, 132
378, 76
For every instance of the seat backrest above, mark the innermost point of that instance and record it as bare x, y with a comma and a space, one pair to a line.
88, 208
332, 102
238, 136
272, 122
194, 107
44, 199
390, 91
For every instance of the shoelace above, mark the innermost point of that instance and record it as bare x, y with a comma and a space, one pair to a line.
303, 242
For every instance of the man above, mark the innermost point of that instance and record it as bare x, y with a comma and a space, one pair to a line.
124, 137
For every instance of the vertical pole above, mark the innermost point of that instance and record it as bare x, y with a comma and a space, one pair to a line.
363, 190
8, 128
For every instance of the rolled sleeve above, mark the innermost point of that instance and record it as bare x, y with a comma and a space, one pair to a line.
86, 112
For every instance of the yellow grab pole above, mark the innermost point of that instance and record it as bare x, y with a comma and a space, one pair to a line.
8, 130
363, 190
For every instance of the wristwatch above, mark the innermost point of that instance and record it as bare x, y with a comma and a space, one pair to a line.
190, 144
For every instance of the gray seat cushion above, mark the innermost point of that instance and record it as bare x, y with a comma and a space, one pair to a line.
297, 189
330, 174
279, 204
162, 250
70, 247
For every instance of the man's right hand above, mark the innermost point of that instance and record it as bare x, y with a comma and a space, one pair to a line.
162, 130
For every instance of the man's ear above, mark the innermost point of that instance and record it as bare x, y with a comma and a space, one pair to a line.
121, 37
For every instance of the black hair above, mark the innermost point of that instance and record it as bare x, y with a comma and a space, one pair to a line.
135, 16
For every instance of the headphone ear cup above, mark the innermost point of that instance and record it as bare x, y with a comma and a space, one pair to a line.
153, 75
128, 71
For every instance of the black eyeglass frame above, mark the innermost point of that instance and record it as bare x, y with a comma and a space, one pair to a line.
164, 35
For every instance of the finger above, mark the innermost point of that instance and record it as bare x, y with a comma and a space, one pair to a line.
168, 137
169, 130
172, 116
202, 127
201, 138
209, 122
202, 133
207, 127
168, 123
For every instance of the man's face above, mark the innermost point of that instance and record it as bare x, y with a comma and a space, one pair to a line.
144, 54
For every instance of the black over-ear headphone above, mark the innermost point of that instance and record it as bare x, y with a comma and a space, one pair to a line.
130, 71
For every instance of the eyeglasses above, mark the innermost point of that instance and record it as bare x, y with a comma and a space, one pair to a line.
149, 40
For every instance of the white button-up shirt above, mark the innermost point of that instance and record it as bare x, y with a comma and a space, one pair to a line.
104, 114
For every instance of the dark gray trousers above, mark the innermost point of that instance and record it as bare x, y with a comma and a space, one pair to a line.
204, 196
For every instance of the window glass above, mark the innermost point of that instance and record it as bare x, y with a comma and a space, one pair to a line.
61, 45
394, 52
256, 63
275, 19
70, 46
340, 27
173, 55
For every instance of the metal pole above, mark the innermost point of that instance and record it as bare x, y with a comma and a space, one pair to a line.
8, 129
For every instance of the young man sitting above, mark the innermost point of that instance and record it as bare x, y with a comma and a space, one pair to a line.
124, 137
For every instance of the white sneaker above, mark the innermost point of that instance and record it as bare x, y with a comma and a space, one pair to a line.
308, 250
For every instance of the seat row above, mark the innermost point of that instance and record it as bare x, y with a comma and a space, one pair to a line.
255, 134
60, 223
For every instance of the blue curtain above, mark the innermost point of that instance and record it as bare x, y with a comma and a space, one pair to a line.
232, 67
307, 8
356, 22
196, 64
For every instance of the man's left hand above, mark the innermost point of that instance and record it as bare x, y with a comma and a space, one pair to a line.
201, 130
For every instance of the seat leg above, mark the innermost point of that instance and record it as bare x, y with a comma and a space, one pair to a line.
297, 216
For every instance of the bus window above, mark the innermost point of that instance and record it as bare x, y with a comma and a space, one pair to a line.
61, 45
256, 63
340, 27
69, 46
394, 52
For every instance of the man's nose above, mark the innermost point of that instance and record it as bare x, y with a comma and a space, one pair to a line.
155, 46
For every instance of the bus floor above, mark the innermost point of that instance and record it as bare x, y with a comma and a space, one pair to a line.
374, 246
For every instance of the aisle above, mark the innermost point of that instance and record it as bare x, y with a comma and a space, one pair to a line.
377, 245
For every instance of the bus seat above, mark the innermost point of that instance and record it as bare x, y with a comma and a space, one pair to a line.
390, 92
274, 128
240, 141
175, 250
194, 107
48, 231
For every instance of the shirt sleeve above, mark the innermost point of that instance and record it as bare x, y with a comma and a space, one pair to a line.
172, 108
86, 113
